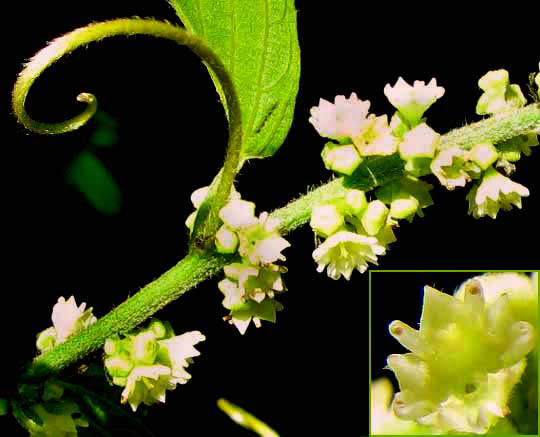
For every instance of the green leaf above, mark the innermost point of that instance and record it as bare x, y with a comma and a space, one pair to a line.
95, 182
258, 43
4, 407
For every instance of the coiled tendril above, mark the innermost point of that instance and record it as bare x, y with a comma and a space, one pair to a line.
134, 26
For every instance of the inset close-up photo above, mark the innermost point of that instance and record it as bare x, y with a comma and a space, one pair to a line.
453, 353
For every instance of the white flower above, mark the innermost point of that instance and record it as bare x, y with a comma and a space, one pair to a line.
376, 137
150, 362
147, 384
68, 319
340, 120
345, 251
413, 101
238, 213
198, 197
245, 281
261, 243
449, 167
495, 192
177, 352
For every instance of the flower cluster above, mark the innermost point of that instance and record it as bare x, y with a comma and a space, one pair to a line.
352, 234
468, 355
150, 361
250, 285
357, 231
68, 320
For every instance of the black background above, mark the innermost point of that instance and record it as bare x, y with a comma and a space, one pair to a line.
306, 375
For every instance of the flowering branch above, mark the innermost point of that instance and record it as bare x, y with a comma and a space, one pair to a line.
196, 267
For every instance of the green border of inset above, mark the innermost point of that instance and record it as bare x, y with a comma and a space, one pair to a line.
438, 271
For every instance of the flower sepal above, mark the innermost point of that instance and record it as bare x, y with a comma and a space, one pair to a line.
406, 197
250, 311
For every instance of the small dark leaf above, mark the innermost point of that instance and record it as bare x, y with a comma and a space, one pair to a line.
95, 182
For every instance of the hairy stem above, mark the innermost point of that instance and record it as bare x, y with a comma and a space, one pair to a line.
197, 267
83, 36
189, 272
495, 129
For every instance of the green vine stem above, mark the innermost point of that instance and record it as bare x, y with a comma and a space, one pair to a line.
128, 27
495, 129
198, 266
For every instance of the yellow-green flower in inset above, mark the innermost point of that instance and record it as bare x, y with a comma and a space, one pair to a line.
464, 363
493, 193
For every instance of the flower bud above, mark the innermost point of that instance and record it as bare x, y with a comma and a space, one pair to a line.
355, 201
403, 208
46, 339
226, 240
484, 154
374, 217
238, 213
326, 220
342, 159
421, 142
